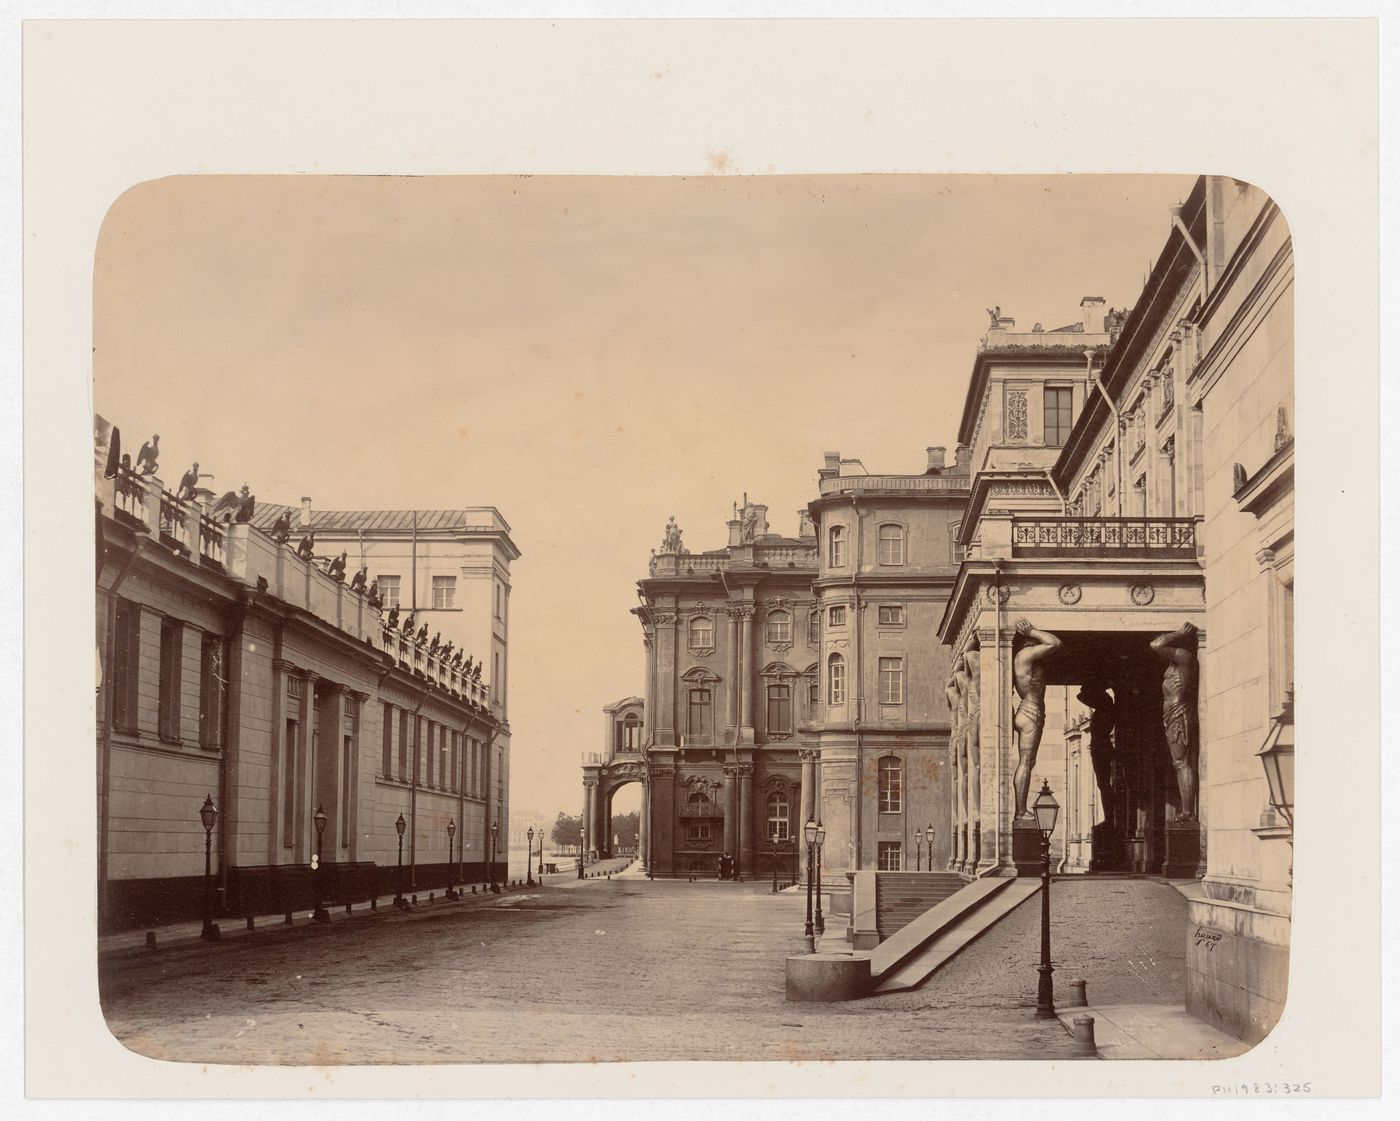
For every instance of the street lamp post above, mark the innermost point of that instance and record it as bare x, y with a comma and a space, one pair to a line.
320, 914
530, 856
495, 828
540, 873
208, 815
809, 833
775, 862
919, 850
928, 840
821, 840
1046, 810
580, 852
399, 901
451, 879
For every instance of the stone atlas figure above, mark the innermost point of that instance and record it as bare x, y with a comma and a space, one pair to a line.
1101, 723
1178, 650
1028, 676
972, 747
958, 747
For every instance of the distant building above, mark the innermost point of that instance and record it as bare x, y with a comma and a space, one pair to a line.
730, 680
232, 667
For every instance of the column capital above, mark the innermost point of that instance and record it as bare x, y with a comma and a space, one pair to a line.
663, 618
744, 771
284, 666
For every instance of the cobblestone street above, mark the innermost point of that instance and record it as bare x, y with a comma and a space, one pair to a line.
597, 970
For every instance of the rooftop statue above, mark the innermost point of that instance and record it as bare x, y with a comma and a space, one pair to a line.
357, 582
282, 528
457, 658
306, 547
671, 538
408, 625
188, 482
336, 569
373, 596
469, 663
436, 642
422, 634
393, 614
146, 458
245, 506
995, 314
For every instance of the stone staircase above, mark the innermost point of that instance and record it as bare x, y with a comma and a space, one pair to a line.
901, 897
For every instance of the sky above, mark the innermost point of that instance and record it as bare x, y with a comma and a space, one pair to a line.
590, 355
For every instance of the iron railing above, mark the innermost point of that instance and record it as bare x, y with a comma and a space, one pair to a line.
1104, 537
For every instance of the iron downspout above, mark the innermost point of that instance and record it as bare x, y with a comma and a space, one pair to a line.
858, 623
1117, 441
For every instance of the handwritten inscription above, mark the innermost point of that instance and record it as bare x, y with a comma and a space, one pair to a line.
1207, 938
1250, 1089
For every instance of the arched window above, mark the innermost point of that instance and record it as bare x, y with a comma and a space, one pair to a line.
891, 785
702, 633
698, 798
778, 816
836, 547
779, 628
891, 544
631, 732
836, 680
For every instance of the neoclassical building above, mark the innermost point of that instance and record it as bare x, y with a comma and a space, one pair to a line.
232, 667
731, 683
1126, 580
880, 715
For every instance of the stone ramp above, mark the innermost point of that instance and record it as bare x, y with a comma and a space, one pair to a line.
909, 957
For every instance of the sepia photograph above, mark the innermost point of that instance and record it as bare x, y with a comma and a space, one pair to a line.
700, 558
873, 657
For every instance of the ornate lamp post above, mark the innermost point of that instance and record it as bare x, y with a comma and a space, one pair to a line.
208, 815
580, 852
399, 901
320, 914
540, 872
530, 856
1046, 811
809, 834
928, 840
495, 828
919, 850
775, 861
451, 879
821, 840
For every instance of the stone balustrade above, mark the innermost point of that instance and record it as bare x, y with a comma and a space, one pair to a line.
894, 484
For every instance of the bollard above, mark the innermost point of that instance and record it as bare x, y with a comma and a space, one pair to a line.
250, 922
1077, 999
1082, 1035
150, 939
374, 904
287, 920
473, 889
415, 900
430, 897
347, 909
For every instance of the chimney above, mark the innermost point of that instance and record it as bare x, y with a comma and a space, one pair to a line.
832, 468
962, 459
936, 457
1092, 314
305, 511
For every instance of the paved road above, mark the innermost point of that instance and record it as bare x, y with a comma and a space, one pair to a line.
576, 971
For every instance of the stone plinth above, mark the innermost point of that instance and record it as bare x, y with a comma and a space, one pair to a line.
1183, 858
1027, 848
828, 977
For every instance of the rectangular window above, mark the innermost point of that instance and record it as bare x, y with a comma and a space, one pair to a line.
891, 785
837, 617
891, 615
1058, 405
444, 592
891, 681
389, 591
813, 697
1288, 636
814, 629
496, 689
500, 597
347, 779
836, 680
403, 746
779, 709
125, 665
170, 643
213, 686
456, 762
698, 718
891, 856
697, 831
386, 763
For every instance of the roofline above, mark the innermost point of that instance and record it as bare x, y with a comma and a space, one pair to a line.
1175, 266
1069, 354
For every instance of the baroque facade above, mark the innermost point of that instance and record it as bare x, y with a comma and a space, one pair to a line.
731, 674
233, 667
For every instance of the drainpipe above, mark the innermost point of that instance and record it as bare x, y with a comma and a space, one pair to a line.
413, 793
1001, 724
1070, 798
1191, 245
1064, 503
1117, 438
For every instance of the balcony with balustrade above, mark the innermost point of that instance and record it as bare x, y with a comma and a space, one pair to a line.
1105, 538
